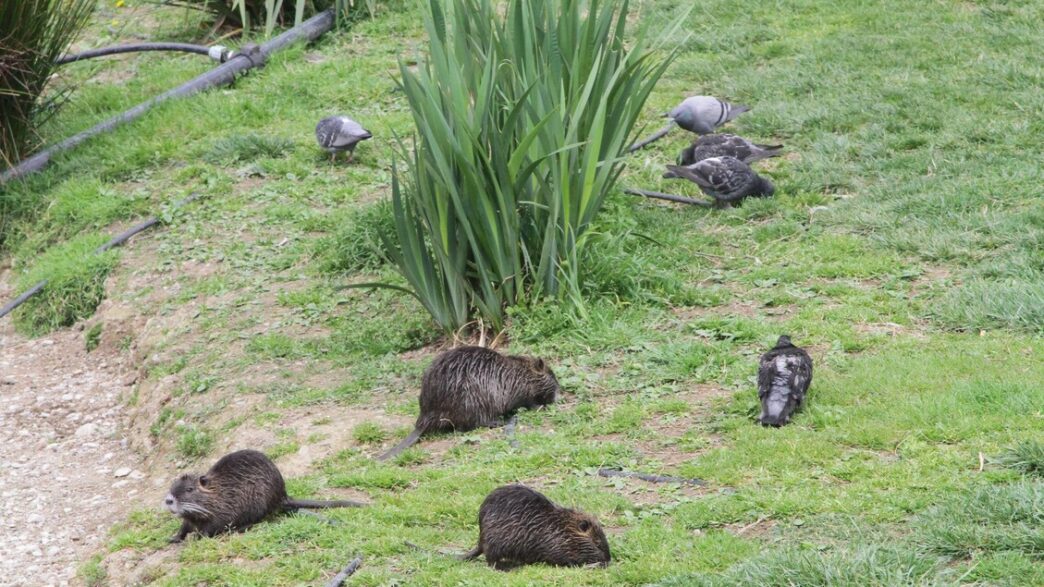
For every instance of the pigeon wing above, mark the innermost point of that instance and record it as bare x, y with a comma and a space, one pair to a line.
349, 133
764, 376
692, 175
727, 176
801, 374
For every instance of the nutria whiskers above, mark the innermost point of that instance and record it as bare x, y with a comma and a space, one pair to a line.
240, 490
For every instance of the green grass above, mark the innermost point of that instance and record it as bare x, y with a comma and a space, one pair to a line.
194, 441
902, 247
75, 277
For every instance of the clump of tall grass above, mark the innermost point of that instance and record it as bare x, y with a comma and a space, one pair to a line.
33, 33
1026, 457
523, 116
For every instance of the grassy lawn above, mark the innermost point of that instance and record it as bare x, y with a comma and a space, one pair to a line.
904, 248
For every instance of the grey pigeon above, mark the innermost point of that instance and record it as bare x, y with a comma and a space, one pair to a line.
784, 374
720, 145
726, 179
702, 114
340, 133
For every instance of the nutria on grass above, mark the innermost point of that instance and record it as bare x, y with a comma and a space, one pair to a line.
470, 387
240, 490
519, 526
784, 374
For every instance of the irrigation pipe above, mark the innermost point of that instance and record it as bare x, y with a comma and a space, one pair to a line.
672, 198
248, 57
115, 241
648, 477
341, 577
217, 52
651, 138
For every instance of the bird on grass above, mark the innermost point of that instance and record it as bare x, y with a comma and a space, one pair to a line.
726, 179
340, 133
784, 374
720, 145
698, 114
702, 114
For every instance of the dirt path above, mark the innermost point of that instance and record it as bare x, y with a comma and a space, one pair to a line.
66, 473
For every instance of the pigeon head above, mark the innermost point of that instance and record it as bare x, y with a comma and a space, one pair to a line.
784, 341
682, 116
767, 189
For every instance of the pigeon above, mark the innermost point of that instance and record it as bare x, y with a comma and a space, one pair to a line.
719, 145
340, 133
726, 179
784, 374
702, 114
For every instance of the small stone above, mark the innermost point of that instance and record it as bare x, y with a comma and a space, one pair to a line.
7, 380
122, 472
86, 430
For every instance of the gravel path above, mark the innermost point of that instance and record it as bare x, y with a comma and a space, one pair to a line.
66, 473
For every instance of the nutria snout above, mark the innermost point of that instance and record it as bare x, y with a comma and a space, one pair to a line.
520, 526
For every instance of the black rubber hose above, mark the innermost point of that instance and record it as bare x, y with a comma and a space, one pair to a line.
671, 197
348, 571
133, 48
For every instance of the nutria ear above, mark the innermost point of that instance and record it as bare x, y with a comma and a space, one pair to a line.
539, 365
203, 481
584, 526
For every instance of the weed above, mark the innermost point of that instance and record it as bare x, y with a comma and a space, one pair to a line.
194, 441
92, 337
246, 147
1026, 457
369, 433
92, 573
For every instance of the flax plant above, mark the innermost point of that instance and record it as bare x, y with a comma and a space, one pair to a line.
523, 118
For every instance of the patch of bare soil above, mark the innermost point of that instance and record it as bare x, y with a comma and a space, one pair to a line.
67, 473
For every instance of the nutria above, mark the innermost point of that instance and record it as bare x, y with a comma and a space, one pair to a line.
469, 387
240, 490
784, 375
519, 526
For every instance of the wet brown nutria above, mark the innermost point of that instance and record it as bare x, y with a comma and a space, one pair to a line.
784, 374
470, 387
240, 490
519, 526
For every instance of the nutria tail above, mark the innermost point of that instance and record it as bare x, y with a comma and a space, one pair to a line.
312, 504
473, 554
406, 443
